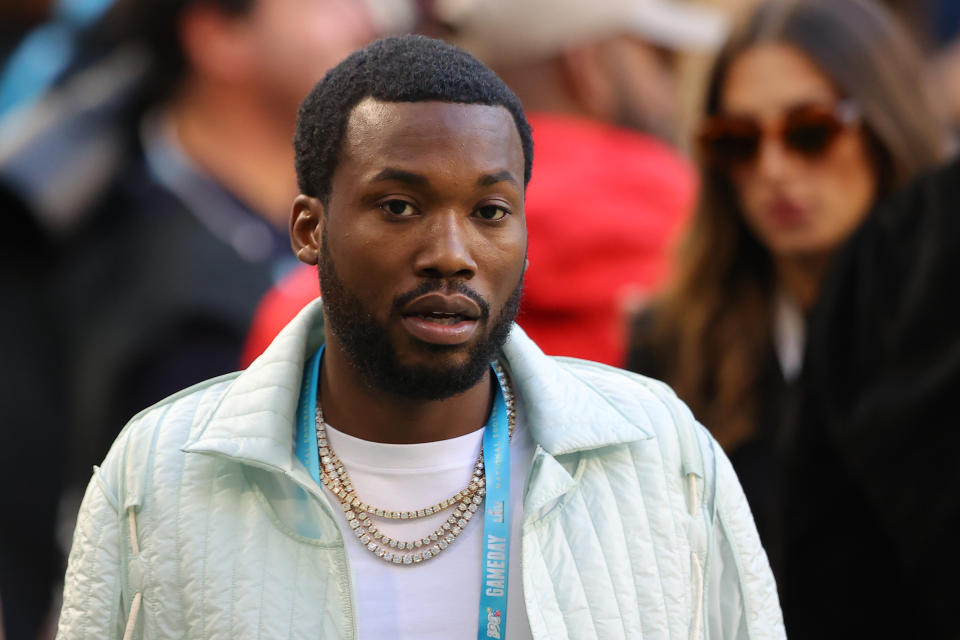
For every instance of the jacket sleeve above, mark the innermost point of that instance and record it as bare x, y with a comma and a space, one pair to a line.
740, 595
91, 595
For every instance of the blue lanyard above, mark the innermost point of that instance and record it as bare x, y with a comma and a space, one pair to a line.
496, 522
306, 416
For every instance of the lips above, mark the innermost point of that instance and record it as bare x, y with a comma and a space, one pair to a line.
442, 319
785, 213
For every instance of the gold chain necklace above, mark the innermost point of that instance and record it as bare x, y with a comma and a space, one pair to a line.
360, 514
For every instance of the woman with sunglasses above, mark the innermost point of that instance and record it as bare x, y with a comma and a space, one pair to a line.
815, 111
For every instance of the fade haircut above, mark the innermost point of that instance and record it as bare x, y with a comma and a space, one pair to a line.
410, 68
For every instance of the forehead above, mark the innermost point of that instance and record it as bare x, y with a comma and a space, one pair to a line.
768, 79
431, 136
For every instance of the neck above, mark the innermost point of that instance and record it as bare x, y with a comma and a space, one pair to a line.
800, 277
351, 406
239, 142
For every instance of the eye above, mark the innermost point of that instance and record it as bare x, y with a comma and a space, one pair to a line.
492, 212
400, 208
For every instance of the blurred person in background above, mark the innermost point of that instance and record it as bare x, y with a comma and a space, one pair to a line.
945, 26
155, 184
612, 192
872, 490
58, 32
17, 18
816, 110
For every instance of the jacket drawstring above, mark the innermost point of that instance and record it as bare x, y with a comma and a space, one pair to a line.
698, 612
692, 485
695, 561
137, 598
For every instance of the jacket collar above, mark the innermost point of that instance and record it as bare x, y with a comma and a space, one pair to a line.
255, 419
565, 412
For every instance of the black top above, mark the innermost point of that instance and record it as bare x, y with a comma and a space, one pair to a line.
872, 501
864, 532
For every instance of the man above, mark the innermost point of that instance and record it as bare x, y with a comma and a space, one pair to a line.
403, 462
599, 82
159, 181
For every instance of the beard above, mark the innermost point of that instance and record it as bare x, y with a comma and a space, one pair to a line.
366, 342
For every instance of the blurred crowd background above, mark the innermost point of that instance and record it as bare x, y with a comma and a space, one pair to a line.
720, 198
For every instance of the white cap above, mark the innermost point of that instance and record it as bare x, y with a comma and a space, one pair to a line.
392, 16
499, 31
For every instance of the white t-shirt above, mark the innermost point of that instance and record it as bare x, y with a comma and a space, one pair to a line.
440, 598
789, 336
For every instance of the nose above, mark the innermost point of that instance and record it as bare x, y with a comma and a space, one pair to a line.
771, 159
446, 248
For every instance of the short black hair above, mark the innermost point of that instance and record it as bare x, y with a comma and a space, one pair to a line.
410, 68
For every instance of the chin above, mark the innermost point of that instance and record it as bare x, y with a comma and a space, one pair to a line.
802, 249
440, 357
433, 380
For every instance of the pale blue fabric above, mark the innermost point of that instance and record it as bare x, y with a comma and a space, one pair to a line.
634, 524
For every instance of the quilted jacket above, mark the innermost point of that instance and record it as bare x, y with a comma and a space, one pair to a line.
201, 523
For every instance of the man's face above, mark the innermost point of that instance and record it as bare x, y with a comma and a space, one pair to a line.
424, 243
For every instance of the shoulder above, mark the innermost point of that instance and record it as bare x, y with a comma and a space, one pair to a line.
636, 396
622, 388
578, 404
910, 234
638, 412
637, 431
678, 460
158, 434
934, 195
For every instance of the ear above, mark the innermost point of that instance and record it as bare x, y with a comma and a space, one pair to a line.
306, 228
588, 81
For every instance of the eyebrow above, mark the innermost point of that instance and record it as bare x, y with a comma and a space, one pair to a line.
491, 179
409, 177
399, 175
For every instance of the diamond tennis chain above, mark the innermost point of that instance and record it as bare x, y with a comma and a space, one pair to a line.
360, 514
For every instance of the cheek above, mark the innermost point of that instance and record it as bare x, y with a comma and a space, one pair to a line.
507, 260
848, 187
360, 258
751, 193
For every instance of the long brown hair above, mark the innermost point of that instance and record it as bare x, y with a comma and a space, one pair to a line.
712, 326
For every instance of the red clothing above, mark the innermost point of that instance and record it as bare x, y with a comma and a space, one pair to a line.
278, 307
603, 210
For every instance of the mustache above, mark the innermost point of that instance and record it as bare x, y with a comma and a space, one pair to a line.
444, 286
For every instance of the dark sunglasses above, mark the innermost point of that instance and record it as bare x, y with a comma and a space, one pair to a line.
807, 129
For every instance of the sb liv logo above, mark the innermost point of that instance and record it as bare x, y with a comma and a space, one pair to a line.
493, 624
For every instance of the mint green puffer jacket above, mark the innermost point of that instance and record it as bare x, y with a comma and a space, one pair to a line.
201, 523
